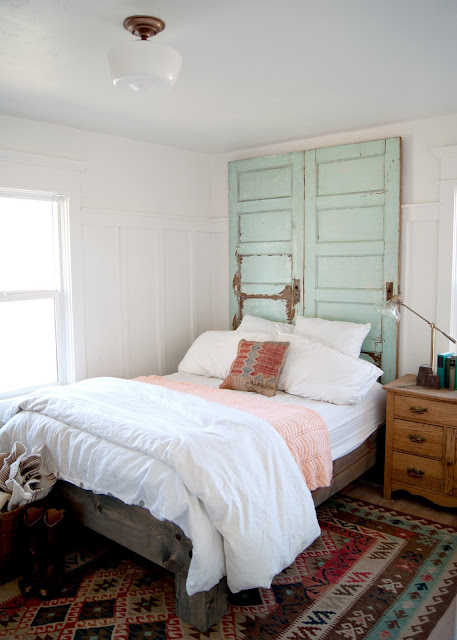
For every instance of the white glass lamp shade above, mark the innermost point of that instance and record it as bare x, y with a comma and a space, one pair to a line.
142, 65
391, 309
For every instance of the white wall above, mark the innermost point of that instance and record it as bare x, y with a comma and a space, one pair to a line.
142, 241
152, 251
419, 217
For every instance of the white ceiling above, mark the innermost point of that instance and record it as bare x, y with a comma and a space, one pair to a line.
254, 72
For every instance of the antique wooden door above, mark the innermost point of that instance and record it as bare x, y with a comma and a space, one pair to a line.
352, 216
325, 247
266, 237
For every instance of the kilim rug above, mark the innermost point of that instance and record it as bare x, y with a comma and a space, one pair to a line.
374, 574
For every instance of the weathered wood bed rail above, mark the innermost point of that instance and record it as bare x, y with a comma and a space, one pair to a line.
165, 544
160, 541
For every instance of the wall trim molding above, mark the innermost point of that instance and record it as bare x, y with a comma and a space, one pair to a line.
446, 305
150, 219
421, 212
219, 225
41, 160
445, 152
414, 205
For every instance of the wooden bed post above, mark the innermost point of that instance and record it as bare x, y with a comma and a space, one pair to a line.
202, 609
160, 541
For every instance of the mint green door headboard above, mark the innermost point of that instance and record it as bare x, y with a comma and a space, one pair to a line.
266, 237
352, 207
327, 246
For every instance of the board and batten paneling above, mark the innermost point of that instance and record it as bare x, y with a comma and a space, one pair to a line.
143, 289
147, 286
102, 300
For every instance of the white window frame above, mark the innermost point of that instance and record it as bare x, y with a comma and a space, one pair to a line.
25, 173
61, 295
446, 300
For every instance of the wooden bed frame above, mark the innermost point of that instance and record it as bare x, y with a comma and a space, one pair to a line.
165, 544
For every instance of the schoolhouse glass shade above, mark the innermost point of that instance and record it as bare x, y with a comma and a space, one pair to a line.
391, 309
142, 65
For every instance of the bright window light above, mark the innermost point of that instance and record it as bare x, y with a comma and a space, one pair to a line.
27, 344
30, 294
27, 255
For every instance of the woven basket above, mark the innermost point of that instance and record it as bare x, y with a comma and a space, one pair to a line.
11, 538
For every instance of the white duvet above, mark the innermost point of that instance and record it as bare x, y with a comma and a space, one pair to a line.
224, 476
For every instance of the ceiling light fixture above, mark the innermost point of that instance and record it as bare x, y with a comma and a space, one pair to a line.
142, 65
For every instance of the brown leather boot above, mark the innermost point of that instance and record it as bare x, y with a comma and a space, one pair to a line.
54, 556
34, 550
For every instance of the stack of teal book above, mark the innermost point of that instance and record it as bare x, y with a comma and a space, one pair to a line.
445, 368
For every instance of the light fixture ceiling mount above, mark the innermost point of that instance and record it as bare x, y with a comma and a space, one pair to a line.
142, 65
144, 27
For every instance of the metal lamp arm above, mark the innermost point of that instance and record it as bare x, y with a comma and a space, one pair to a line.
446, 335
415, 312
432, 324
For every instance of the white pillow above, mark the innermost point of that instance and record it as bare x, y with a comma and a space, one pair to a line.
342, 336
255, 324
213, 352
313, 370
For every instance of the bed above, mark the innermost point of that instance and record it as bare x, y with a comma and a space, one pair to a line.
169, 538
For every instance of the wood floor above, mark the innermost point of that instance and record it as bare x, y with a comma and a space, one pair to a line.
402, 501
446, 629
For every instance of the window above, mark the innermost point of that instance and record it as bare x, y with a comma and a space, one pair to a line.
33, 298
454, 270
446, 305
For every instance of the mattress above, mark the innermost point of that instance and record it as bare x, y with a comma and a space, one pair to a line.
348, 425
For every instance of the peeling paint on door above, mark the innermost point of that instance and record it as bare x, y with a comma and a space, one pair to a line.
266, 237
328, 255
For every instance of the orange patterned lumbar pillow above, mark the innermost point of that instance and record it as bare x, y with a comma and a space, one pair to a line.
256, 367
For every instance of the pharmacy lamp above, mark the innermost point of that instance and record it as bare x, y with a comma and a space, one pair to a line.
142, 65
392, 309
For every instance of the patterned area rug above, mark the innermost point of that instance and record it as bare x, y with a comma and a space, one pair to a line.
374, 573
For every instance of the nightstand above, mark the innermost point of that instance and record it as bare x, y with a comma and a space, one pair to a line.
421, 441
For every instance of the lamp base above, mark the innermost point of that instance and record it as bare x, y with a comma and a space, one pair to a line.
426, 377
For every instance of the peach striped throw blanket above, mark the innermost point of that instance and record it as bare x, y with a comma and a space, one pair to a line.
303, 429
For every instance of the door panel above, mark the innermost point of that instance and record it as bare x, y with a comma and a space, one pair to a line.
349, 272
352, 204
349, 176
348, 151
342, 225
266, 226
266, 236
325, 246
266, 269
265, 183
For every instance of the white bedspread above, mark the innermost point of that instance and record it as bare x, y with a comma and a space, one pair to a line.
224, 476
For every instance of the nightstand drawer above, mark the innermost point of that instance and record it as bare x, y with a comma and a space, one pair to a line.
415, 471
418, 439
425, 410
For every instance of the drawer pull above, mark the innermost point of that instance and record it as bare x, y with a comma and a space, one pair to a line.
415, 437
415, 408
415, 473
